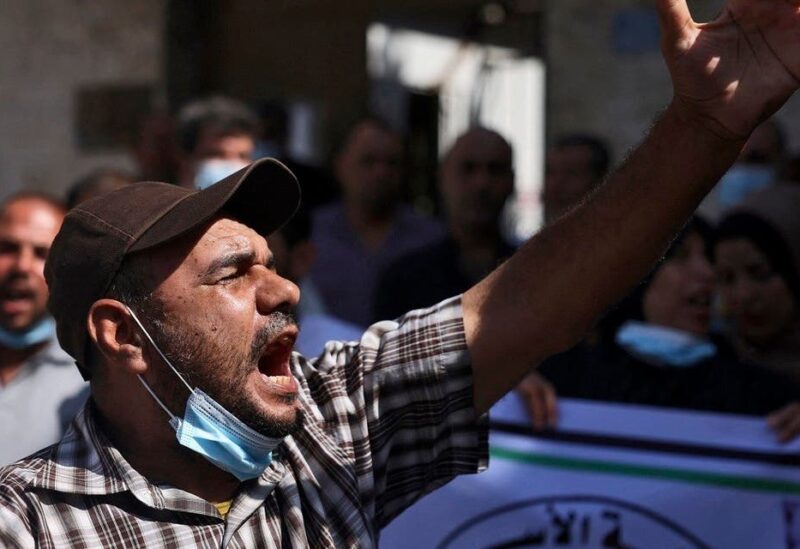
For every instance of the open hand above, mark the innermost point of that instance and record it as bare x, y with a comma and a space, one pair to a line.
734, 72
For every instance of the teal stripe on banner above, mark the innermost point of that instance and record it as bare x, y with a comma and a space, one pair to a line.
663, 473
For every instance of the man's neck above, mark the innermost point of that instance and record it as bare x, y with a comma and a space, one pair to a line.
12, 361
149, 445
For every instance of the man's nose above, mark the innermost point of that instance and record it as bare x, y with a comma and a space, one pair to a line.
276, 293
24, 260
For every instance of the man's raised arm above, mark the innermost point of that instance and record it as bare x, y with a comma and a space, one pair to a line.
728, 76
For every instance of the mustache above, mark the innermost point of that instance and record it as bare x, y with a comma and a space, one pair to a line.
277, 322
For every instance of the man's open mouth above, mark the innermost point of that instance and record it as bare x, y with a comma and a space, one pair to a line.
274, 362
15, 298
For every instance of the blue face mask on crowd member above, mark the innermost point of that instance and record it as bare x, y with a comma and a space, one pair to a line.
215, 433
741, 181
213, 170
663, 346
36, 333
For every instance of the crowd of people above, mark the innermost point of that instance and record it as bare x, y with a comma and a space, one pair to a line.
715, 325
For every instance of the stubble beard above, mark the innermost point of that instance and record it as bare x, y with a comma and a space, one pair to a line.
199, 359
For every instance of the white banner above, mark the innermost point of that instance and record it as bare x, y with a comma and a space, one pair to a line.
618, 476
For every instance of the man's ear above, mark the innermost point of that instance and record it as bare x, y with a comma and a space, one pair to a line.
116, 335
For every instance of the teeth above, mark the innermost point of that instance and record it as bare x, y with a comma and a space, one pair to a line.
280, 380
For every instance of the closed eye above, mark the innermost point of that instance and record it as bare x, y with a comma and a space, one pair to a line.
232, 276
237, 265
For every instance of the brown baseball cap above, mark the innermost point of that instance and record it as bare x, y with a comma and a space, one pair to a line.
97, 235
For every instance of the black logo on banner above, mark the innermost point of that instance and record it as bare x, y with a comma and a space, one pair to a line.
570, 522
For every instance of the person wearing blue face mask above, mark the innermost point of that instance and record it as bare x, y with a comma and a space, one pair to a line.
656, 347
39, 389
217, 136
758, 167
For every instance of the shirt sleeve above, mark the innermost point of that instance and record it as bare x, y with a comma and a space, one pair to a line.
418, 396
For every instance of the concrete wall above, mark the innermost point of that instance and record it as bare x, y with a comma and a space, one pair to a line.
50, 48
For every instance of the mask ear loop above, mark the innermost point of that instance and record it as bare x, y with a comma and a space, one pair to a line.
173, 418
153, 343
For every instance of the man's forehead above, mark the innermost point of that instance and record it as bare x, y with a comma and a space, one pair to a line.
227, 236
29, 209
222, 235
33, 218
369, 136
229, 233
221, 232
481, 146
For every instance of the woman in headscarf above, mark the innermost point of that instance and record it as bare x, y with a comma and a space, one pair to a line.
655, 347
757, 260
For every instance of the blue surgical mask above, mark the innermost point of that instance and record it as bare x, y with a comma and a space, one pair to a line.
663, 346
741, 181
213, 432
35, 334
210, 171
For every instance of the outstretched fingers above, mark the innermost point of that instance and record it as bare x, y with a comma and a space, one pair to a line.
675, 17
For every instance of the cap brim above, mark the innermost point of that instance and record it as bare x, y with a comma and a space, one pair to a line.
263, 196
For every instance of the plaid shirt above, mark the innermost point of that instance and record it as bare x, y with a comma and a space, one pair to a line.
385, 422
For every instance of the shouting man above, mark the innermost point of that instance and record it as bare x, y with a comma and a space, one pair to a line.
204, 429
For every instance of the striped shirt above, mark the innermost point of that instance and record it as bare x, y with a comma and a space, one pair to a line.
385, 421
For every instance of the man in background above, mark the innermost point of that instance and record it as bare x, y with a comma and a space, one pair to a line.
40, 389
370, 227
216, 136
574, 166
761, 163
476, 178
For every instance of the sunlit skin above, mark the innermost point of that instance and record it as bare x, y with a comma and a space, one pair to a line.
27, 228
755, 297
679, 295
